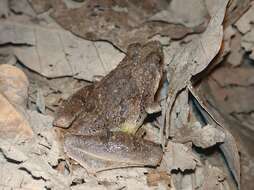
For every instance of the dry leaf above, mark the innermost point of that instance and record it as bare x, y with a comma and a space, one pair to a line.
178, 156
236, 55
13, 178
57, 53
11, 151
21, 7
12, 123
207, 136
14, 84
39, 122
176, 13
182, 181
195, 56
40, 102
40, 6
156, 177
247, 43
180, 112
244, 23
4, 9
229, 147
235, 77
121, 23
215, 179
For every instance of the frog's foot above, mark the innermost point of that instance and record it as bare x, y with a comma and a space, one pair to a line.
112, 150
153, 108
72, 107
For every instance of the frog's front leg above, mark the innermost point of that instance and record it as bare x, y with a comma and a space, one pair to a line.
108, 150
72, 107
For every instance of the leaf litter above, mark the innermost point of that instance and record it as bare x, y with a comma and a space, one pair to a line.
201, 152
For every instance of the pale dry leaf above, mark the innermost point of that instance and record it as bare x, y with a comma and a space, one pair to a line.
54, 152
204, 137
89, 186
12, 122
39, 168
4, 8
227, 47
11, 177
58, 53
244, 24
228, 147
16, 34
247, 42
180, 112
182, 181
40, 6
176, 13
195, 56
170, 51
39, 122
236, 55
199, 176
40, 102
11, 151
126, 177
215, 179
207, 136
178, 156
14, 84
21, 7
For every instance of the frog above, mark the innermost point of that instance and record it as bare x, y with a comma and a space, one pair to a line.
101, 121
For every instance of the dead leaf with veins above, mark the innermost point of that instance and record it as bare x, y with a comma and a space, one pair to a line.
179, 157
57, 53
194, 57
120, 23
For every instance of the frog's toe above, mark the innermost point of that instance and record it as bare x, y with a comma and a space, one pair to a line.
63, 121
112, 150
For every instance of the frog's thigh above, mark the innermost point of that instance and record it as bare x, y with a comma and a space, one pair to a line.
111, 150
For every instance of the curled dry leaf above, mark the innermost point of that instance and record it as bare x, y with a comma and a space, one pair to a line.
195, 56
120, 22
58, 53
228, 147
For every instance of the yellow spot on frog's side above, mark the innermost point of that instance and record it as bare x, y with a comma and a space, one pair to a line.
128, 127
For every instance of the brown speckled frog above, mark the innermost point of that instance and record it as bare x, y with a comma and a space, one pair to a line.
102, 119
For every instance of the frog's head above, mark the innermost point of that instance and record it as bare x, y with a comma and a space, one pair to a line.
146, 74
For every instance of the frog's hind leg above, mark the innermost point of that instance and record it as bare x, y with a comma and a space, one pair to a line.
72, 107
110, 150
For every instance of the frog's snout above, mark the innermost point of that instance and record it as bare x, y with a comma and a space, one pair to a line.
62, 121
